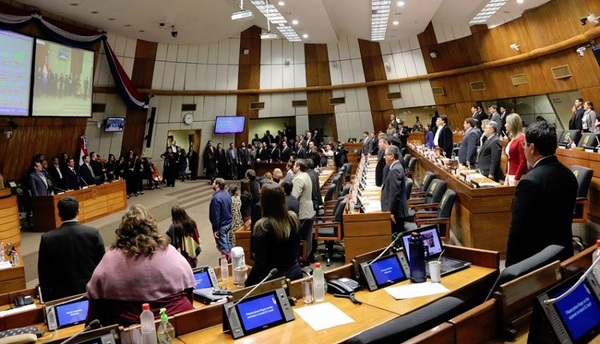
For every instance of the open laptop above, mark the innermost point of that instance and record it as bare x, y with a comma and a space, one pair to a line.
207, 288
433, 249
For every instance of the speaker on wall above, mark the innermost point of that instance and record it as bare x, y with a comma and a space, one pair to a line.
150, 127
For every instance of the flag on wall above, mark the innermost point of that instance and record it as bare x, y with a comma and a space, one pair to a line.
82, 148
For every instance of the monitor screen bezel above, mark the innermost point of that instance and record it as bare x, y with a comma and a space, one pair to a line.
59, 307
279, 308
108, 119
395, 258
205, 271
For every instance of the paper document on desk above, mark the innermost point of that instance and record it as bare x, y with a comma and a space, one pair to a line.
414, 290
323, 316
5, 265
371, 205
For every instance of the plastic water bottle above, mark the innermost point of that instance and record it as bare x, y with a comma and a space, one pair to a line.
148, 328
596, 268
319, 283
416, 251
166, 332
15, 259
224, 268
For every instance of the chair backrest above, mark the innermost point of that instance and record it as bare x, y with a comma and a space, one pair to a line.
407, 326
339, 210
406, 159
412, 163
331, 190
345, 190
570, 136
402, 152
429, 176
584, 178
435, 191
589, 140
408, 183
559, 135
446, 204
549, 254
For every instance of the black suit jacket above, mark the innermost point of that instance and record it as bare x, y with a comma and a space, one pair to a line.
381, 165
490, 156
56, 179
542, 211
393, 195
67, 258
445, 141
86, 175
37, 185
286, 153
71, 180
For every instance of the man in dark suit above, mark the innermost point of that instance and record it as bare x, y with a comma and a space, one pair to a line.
286, 152
233, 160
275, 153
491, 153
542, 208
263, 153
70, 176
467, 152
55, 172
86, 172
576, 120
443, 136
479, 115
502, 128
393, 193
245, 160
382, 168
210, 161
38, 184
68, 255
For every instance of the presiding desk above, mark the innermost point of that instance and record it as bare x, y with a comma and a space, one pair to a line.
95, 201
481, 216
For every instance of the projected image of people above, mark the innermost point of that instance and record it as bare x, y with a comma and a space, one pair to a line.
62, 84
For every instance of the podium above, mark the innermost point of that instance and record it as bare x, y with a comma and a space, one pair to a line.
94, 202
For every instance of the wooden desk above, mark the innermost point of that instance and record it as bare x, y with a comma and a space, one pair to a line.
480, 217
366, 232
365, 317
10, 223
94, 202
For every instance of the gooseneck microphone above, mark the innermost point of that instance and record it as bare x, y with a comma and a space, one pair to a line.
385, 249
271, 273
94, 324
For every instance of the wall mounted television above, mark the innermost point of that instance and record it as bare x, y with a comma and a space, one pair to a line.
63, 80
229, 124
114, 124
15, 73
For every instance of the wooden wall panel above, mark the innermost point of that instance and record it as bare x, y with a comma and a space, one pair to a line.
318, 74
143, 67
248, 77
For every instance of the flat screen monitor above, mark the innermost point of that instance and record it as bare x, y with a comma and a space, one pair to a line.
63, 80
72, 313
114, 124
205, 278
229, 124
575, 318
16, 54
386, 271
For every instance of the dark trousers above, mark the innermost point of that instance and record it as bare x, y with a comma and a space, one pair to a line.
306, 233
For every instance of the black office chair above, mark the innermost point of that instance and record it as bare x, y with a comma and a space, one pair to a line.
435, 214
412, 164
570, 136
589, 141
434, 193
330, 229
405, 160
582, 204
408, 183
544, 257
407, 326
421, 189
559, 136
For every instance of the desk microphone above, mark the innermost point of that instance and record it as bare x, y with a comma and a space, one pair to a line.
581, 280
59, 189
385, 250
271, 273
597, 141
83, 180
94, 324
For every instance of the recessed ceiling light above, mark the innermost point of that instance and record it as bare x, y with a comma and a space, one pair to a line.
305, 35
400, 3
395, 22
295, 22
281, 3
520, 1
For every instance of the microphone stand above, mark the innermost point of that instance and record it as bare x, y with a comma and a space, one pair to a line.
385, 249
271, 273
94, 324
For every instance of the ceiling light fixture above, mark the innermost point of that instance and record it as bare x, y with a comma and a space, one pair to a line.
487, 11
305, 35
400, 3
275, 17
380, 12
520, 1
395, 22
281, 3
295, 22
268, 34
242, 14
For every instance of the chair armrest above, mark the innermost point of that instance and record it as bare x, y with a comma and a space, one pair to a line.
417, 193
425, 215
433, 221
432, 206
411, 202
336, 225
322, 219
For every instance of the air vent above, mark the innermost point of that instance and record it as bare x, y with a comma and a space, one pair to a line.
561, 72
337, 101
393, 95
188, 107
438, 91
257, 105
299, 103
477, 86
97, 107
518, 79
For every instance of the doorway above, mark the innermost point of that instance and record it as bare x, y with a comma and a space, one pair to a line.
186, 139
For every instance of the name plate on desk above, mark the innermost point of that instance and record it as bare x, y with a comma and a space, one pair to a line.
257, 313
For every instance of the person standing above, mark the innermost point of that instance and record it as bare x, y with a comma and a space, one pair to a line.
38, 183
192, 156
576, 121
233, 160
443, 136
467, 152
491, 153
69, 254
516, 162
302, 190
184, 235
393, 193
220, 216
210, 161
542, 208
366, 149
245, 160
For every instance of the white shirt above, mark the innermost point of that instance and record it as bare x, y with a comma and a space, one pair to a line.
437, 136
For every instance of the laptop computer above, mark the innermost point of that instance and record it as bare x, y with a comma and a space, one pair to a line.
433, 249
207, 288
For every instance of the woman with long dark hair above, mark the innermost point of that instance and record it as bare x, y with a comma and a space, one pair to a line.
184, 235
246, 199
276, 238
